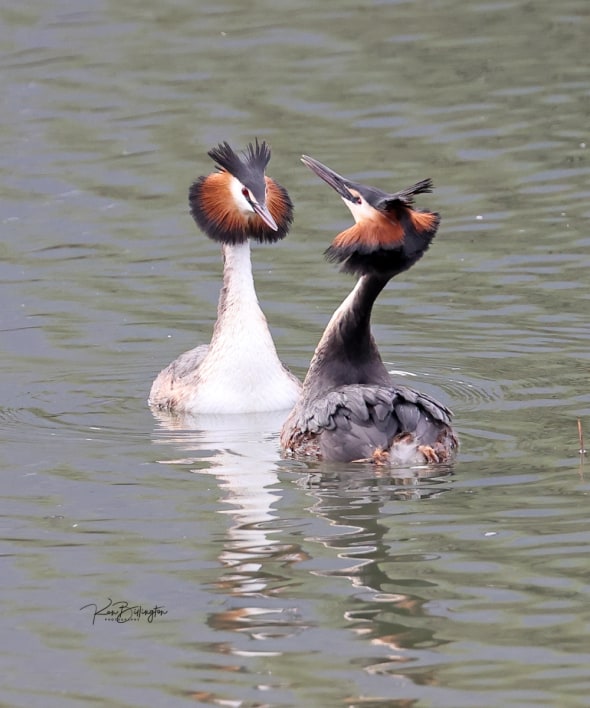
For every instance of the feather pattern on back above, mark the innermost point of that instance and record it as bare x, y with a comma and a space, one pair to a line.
351, 422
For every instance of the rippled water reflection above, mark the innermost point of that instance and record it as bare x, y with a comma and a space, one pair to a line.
287, 584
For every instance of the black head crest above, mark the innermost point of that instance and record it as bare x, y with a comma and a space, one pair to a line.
406, 196
247, 166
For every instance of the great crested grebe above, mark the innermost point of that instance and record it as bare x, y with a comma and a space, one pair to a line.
349, 408
239, 371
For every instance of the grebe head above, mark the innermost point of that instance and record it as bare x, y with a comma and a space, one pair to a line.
239, 201
389, 235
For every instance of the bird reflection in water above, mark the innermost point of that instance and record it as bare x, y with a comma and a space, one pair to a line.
265, 542
367, 528
247, 471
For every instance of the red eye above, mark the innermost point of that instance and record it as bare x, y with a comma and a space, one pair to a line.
245, 192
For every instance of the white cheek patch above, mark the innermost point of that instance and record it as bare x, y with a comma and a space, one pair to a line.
235, 187
360, 211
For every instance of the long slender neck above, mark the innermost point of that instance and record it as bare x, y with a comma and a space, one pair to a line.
241, 371
347, 352
237, 299
238, 281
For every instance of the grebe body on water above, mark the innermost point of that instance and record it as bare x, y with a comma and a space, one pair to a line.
239, 371
349, 409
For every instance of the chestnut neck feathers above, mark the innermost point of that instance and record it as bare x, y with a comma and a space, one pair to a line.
388, 237
239, 201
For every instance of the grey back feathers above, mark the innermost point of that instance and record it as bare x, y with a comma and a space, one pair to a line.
355, 420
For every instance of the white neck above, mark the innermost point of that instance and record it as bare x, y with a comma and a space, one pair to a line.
242, 371
238, 295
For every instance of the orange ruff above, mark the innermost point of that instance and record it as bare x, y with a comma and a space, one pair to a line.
423, 220
373, 233
275, 201
216, 202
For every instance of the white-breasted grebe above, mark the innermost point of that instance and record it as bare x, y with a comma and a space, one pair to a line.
349, 408
239, 371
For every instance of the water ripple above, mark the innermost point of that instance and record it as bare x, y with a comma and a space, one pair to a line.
468, 393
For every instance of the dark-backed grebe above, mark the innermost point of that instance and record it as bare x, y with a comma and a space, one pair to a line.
239, 371
349, 408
